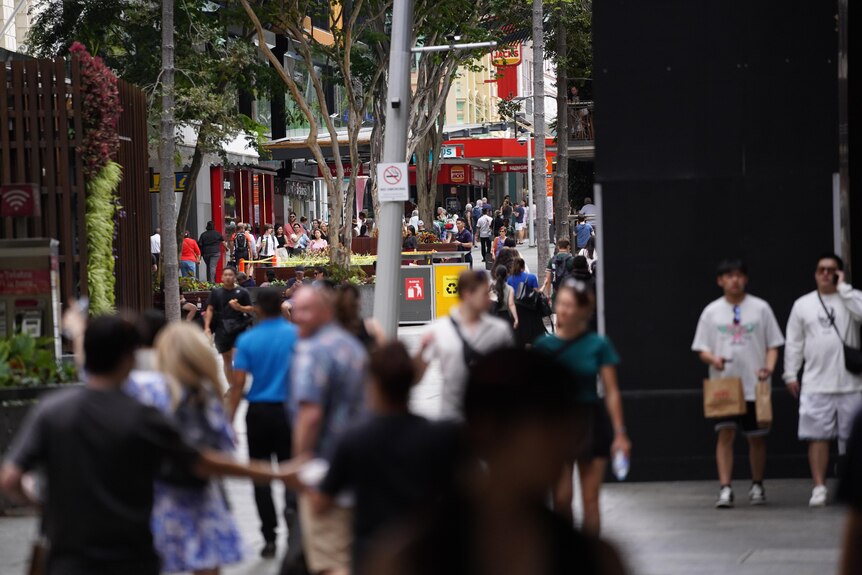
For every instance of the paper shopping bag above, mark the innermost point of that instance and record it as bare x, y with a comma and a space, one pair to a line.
723, 398
763, 401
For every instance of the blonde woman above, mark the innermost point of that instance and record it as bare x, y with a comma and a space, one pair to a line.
192, 526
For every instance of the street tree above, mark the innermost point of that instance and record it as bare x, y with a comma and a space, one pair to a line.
215, 60
339, 55
167, 199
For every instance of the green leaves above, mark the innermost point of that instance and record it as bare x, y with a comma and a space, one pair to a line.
28, 362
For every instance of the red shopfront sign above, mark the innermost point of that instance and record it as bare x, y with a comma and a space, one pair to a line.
25, 282
348, 170
510, 168
507, 60
462, 175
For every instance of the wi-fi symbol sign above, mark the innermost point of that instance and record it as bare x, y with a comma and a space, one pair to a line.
19, 200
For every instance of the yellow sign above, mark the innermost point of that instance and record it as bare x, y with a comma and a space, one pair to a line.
446, 287
451, 286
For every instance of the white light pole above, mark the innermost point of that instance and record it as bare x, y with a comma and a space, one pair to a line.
394, 150
386, 298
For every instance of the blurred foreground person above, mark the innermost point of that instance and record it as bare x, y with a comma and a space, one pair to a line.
524, 423
193, 527
460, 339
348, 313
326, 398
267, 423
396, 463
101, 451
587, 357
850, 492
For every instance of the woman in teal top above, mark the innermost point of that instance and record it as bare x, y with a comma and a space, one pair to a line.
589, 357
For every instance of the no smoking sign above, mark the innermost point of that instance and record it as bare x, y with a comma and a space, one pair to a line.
392, 182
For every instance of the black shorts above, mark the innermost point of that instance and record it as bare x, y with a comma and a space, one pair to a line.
600, 436
746, 423
224, 342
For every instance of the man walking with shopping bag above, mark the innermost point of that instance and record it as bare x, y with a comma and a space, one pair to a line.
738, 338
823, 331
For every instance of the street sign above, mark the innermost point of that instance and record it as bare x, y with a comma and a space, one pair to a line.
393, 183
20, 200
414, 289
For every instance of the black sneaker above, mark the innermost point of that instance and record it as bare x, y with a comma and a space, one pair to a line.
268, 551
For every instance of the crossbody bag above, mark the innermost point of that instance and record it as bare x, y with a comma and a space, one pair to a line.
852, 356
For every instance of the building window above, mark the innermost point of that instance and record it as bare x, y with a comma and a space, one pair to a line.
459, 106
459, 117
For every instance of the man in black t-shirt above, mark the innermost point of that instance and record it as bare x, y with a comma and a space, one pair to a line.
464, 239
100, 451
227, 316
396, 463
850, 492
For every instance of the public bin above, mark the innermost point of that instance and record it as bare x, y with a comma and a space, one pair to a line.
417, 294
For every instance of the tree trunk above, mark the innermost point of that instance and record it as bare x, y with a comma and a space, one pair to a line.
539, 166
425, 188
561, 177
167, 200
191, 189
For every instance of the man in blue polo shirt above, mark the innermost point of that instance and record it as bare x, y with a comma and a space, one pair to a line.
266, 353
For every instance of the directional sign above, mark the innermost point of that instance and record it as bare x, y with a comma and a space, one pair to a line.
393, 183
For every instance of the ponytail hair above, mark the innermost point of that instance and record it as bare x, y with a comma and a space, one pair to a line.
500, 275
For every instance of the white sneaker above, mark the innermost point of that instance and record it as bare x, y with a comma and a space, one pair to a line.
725, 498
757, 495
819, 496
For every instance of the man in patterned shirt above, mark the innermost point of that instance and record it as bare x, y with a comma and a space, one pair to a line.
327, 384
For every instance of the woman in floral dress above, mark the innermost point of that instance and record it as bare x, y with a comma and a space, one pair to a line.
193, 528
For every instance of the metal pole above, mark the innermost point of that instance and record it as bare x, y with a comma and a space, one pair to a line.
449, 47
394, 150
532, 215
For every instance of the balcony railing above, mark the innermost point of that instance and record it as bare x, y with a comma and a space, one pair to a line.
581, 121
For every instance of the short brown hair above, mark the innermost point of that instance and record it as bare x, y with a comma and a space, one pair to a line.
393, 371
564, 243
470, 281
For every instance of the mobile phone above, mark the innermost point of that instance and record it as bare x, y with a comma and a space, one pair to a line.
835, 279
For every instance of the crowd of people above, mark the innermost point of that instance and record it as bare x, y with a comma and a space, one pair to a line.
372, 488
280, 241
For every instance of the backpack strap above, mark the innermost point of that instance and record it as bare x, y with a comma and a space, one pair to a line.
468, 350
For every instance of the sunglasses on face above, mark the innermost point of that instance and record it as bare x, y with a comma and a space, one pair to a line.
827, 270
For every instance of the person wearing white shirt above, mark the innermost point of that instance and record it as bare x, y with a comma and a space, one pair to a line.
266, 244
414, 220
460, 338
738, 337
821, 323
156, 247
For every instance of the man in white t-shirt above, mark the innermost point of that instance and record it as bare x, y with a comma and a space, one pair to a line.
483, 230
820, 324
738, 336
467, 333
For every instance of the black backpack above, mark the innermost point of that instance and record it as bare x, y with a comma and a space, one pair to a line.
561, 268
240, 243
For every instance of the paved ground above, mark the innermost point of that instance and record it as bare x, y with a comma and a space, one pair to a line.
661, 528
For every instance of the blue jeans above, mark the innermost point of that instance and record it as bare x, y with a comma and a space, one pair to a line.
188, 269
